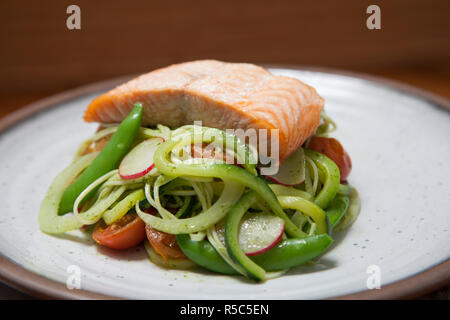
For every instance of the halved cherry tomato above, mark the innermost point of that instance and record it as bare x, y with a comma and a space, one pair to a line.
164, 244
123, 234
333, 149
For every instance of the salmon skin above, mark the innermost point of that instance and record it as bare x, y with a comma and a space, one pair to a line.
221, 95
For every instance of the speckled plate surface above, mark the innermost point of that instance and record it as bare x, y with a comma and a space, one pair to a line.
399, 144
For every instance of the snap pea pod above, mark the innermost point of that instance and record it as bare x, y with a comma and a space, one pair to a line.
108, 159
293, 252
337, 209
287, 254
224, 172
329, 173
232, 225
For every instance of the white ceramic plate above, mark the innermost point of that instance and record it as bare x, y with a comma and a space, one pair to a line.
399, 145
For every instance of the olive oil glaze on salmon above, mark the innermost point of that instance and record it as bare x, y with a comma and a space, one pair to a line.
221, 95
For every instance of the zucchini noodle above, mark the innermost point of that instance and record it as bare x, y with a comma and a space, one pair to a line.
312, 181
185, 207
49, 220
231, 193
161, 132
116, 180
327, 125
299, 219
201, 196
123, 206
307, 207
94, 213
183, 193
214, 239
281, 190
198, 236
161, 180
352, 213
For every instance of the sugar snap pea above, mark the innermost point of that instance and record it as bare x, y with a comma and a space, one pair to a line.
108, 159
287, 254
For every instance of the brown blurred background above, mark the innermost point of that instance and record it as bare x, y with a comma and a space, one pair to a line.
39, 56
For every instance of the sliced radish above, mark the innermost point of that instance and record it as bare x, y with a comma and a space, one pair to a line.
139, 161
258, 232
292, 171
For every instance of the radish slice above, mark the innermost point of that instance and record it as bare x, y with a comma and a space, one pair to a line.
292, 171
258, 232
139, 161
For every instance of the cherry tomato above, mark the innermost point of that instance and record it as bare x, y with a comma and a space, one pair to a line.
333, 149
97, 146
164, 244
123, 234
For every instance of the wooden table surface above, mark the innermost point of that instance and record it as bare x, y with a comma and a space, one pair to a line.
436, 81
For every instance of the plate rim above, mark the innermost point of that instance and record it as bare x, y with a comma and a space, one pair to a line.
39, 286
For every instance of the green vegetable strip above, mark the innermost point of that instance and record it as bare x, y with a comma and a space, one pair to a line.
224, 172
331, 174
307, 207
281, 190
252, 270
223, 140
344, 189
220, 247
49, 221
184, 209
230, 195
108, 159
94, 213
123, 206
327, 127
352, 212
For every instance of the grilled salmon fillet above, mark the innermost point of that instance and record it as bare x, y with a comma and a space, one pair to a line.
222, 95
